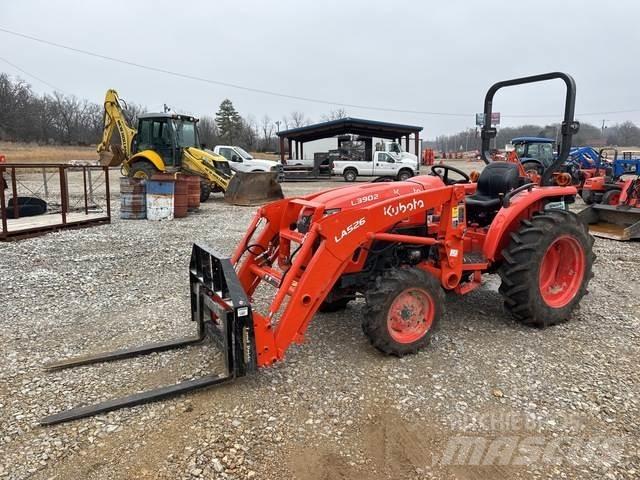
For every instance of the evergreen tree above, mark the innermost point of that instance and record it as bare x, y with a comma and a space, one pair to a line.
229, 122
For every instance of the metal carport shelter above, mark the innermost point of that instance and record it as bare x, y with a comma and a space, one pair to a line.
357, 126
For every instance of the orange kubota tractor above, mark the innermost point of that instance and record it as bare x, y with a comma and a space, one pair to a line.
400, 245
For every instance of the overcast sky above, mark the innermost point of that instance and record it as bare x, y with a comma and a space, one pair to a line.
437, 56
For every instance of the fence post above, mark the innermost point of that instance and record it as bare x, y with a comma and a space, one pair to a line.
63, 193
44, 181
91, 188
108, 190
14, 190
84, 180
3, 208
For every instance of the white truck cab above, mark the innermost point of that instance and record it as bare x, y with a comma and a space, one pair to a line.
241, 161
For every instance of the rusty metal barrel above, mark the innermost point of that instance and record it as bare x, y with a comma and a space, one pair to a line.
193, 196
180, 197
133, 203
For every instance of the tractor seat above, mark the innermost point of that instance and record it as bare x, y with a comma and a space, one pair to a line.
497, 178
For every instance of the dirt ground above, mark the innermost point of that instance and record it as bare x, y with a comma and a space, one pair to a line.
489, 399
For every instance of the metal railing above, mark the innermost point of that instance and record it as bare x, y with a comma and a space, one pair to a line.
78, 194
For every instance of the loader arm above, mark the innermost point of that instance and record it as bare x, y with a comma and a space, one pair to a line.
201, 163
114, 118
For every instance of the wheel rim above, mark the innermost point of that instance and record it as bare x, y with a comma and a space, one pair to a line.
561, 271
411, 315
140, 174
614, 198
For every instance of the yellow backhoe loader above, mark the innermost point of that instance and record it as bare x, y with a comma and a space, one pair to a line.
169, 142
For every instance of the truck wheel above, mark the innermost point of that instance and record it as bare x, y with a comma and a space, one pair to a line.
350, 175
205, 190
546, 268
143, 170
404, 175
611, 197
403, 309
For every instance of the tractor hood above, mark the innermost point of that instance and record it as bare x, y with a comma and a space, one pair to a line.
356, 196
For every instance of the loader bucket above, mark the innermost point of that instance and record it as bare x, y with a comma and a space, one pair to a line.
616, 222
253, 188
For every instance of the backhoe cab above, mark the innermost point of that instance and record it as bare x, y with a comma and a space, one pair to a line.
397, 245
169, 143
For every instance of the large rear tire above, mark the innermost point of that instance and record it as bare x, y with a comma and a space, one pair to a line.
403, 309
547, 267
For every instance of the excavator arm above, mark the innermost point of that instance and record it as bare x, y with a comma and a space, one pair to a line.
114, 119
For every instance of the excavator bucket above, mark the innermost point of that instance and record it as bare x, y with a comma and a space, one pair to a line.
616, 222
253, 188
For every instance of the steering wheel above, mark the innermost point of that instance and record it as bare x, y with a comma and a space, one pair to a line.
445, 175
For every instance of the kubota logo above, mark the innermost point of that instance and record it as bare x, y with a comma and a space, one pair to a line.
393, 210
350, 229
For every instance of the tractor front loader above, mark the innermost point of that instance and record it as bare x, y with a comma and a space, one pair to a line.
399, 245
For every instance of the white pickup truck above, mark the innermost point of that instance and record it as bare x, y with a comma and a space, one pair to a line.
241, 161
382, 164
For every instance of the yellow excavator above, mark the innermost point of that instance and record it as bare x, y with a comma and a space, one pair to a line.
169, 142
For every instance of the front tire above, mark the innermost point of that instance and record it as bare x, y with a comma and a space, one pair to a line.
403, 308
205, 190
587, 196
546, 269
611, 197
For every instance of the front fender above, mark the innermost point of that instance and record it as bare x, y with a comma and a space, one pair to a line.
521, 207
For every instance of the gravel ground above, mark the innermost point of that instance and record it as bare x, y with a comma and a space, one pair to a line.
336, 408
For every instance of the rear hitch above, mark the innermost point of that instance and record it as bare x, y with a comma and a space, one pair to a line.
222, 312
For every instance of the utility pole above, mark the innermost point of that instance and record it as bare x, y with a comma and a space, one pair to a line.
604, 126
277, 122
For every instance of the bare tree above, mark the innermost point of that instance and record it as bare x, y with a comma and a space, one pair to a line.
334, 115
249, 133
298, 120
267, 127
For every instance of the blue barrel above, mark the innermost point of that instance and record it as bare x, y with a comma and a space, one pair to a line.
133, 201
160, 192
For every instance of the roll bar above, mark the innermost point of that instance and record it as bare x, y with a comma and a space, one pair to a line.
569, 126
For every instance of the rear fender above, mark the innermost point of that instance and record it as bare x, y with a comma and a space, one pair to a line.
521, 207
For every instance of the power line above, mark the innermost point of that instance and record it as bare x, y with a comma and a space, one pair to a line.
32, 75
273, 93
226, 84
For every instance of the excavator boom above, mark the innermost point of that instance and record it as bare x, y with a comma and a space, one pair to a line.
114, 118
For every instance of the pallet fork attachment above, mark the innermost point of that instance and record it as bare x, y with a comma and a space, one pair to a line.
222, 313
